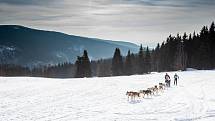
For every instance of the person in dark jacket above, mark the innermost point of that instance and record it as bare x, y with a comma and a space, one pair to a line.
176, 77
167, 80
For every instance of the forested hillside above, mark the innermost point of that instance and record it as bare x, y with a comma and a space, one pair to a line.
196, 50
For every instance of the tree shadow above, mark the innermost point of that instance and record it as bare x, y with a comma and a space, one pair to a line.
148, 98
134, 101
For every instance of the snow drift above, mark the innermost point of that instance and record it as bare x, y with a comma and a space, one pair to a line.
104, 99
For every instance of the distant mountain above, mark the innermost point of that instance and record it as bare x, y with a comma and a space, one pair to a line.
30, 47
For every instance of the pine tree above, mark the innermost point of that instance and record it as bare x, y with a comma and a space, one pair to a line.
83, 67
117, 63
128, 64
134, 63
212, 44
86, 65
204, 49
141, 68
180, 56
156, 57
161, 60
147, 61
78, 64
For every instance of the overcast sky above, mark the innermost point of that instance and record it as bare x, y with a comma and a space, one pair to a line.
138, 21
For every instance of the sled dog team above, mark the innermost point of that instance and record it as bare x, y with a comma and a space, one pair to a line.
148, 92
152, 90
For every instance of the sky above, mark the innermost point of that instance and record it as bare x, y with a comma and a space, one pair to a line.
146, 22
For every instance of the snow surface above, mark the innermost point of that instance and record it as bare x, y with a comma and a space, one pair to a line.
104, 99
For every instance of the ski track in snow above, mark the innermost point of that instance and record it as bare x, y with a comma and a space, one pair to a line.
104, 99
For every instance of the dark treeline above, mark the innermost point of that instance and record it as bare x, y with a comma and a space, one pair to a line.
196, 50
186, 51
64, 70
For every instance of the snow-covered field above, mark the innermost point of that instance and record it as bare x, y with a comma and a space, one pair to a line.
104, 99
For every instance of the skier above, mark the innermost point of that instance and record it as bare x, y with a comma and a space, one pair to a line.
176, 77
167, 80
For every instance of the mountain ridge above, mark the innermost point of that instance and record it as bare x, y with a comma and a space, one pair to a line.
41, 47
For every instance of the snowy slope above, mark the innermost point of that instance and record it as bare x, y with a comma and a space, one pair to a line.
104, 99
32, 47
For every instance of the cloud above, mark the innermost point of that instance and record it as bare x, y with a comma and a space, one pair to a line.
173, 3
26, 2
139, 21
